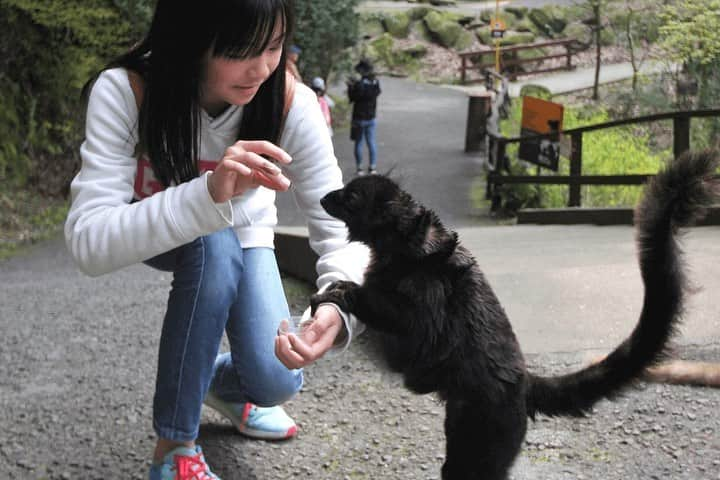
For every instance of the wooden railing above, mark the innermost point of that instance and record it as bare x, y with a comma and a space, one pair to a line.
479, 60
498, 161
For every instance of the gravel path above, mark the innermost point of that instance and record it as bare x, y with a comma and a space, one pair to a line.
77, 365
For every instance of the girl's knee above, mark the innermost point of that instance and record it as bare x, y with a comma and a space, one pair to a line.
278, 388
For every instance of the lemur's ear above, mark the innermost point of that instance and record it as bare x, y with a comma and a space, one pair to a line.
405, 214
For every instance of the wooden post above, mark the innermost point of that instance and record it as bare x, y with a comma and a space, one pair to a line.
497, 164
463, 66
681, 135
575, 169
476, 128
501, 160
569, 57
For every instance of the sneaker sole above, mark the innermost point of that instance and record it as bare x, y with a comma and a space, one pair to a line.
217, 405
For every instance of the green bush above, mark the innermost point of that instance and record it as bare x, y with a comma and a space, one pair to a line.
326, 30
14, 161
63, 43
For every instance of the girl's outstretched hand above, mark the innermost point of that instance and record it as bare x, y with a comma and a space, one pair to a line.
298, 351
242, 168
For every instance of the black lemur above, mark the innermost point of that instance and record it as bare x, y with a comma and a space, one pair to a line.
449, 334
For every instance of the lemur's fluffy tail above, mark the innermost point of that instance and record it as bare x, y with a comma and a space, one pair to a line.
674, 198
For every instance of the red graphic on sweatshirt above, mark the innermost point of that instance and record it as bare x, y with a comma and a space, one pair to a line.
145, 182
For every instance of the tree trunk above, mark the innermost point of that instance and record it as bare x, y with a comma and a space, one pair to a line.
631, 47
596, 86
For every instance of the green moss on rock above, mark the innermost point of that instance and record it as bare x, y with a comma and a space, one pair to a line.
541, 20
485, 37
517, 12
558, 17
537, 91
417, 50
383, 51
419, 30
418, 13
578, 31
444, 30
549, 20
371, 25
525, 25
517, 38
464, 41
397, 24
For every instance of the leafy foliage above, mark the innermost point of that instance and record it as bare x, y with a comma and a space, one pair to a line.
63, 43
325, 30
691, 37
691, 31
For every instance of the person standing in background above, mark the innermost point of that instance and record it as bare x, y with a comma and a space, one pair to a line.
363, 95
292, 59
326, 103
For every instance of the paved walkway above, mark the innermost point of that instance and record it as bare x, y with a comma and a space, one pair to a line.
421, 136
583, 78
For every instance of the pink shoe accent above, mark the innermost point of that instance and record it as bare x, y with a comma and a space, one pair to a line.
246, 413
292, 431
191, 468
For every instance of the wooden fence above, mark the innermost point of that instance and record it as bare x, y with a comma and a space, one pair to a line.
498, 161
512, 64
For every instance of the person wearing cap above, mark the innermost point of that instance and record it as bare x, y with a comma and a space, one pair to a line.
363, 95
292, 59
326, 103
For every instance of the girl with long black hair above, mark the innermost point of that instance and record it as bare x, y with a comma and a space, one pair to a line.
188, 136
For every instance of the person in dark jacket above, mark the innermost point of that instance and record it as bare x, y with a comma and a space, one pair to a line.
363, 95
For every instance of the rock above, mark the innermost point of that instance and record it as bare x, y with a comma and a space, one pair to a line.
447, 31
397, 24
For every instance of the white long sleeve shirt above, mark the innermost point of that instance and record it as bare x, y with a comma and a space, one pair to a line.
104, 231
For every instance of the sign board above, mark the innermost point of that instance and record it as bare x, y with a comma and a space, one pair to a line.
497, 28
539, 117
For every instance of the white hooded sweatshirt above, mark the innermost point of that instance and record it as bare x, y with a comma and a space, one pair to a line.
105, 230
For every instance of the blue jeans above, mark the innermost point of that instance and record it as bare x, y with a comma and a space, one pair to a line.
219, 286
367, 133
